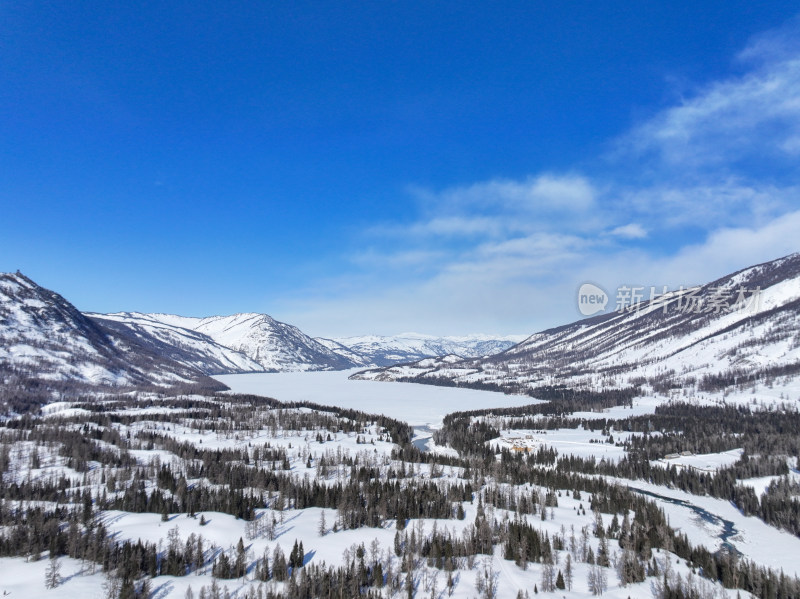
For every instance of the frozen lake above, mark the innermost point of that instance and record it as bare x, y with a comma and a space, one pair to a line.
419, 405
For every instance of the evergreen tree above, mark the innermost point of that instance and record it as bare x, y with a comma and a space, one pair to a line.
240, 565
560, 581
262, 571
279, 571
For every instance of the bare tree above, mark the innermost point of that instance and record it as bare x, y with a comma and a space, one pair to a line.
112, 585
52, 576
597, 579
568, 572
486, 581
548, 577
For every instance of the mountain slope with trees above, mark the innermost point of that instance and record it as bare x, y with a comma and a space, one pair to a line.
737, 331
48, 346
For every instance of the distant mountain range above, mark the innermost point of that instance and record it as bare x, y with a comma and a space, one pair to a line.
46, 342
409, 347
259, 343
731, 333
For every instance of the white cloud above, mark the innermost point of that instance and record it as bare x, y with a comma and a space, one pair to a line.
727, 202
754, 116
530, 285
459, 225
774, 45
730, 249
629, 231
508, 255
547, 192
402, 259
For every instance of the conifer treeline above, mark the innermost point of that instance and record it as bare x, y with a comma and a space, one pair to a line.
769, 438
366, 491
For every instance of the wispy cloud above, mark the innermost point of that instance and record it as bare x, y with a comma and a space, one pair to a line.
752, 117
499, 208
507, 255
460, 226
544, 193
411, 259
715, 202
629, 231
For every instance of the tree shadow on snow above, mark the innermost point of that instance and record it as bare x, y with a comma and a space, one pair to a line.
162, 590
308, 556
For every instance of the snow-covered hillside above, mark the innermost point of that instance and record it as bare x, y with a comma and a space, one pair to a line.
258, 343
344, 351
45, 338
270, 345
409, 347
181, 344
737, 330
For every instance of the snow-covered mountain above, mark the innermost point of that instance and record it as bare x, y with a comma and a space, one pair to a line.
44, 338
349, 354
409, 347
180, 344
255, 342
742, 328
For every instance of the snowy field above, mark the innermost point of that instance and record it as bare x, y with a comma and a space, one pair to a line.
706, 462
566, 441
315, 446
642, 406
222, 532
419, 405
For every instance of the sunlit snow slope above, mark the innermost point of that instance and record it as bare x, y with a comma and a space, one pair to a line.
44, 337
263, 343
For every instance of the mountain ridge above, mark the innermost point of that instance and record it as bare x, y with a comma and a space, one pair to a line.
265, 344
262, 343
384, 350
657, 345
47, 345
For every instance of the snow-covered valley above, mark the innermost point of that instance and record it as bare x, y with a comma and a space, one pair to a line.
567, 464
169, 444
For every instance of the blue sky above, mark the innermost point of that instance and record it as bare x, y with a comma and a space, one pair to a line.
381, 167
